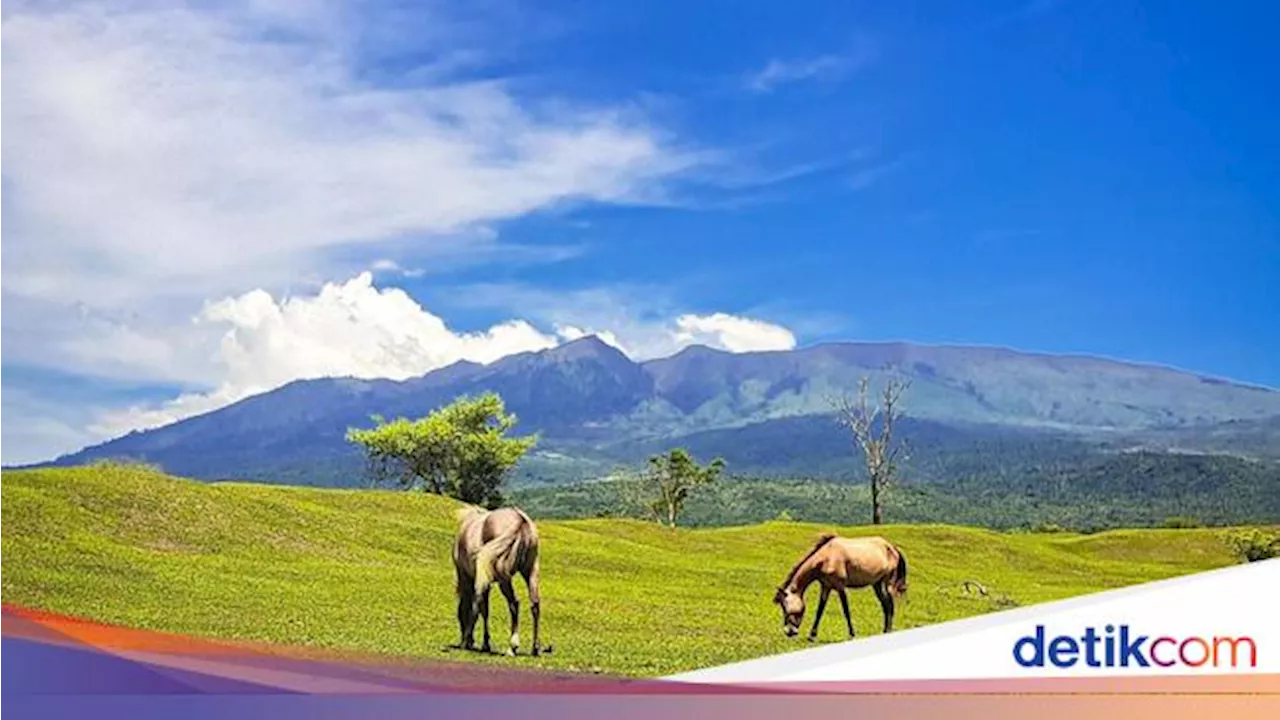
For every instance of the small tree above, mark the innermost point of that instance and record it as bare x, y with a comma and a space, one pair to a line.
1254, 544
872, 430
460, 450
670, 479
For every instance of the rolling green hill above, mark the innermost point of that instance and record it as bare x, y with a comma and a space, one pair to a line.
370, 570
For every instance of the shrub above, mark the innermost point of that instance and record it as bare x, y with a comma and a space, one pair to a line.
1048, 527
126, 464
1181, 522
1253, 544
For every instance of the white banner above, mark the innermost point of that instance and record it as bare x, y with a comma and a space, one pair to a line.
1219, 622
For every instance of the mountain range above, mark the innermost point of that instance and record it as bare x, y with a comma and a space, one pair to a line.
765, 412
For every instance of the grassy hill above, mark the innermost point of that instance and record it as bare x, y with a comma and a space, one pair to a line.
370, 570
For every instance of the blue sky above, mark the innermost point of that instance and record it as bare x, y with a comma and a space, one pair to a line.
1082, 177
194, 190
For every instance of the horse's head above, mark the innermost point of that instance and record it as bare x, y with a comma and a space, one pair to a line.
792, 604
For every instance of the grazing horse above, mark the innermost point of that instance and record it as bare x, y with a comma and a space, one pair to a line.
495, 546
840, 563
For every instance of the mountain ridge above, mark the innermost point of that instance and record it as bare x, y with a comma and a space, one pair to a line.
586, 396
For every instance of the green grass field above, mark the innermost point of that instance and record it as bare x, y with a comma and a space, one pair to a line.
370, 570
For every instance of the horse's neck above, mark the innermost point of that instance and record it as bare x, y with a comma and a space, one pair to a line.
806, 575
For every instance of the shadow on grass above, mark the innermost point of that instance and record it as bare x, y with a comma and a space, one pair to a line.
455, 647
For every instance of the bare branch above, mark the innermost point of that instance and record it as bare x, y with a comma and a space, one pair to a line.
876, 444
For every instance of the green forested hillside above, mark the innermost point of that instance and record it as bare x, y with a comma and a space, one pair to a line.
1089, 493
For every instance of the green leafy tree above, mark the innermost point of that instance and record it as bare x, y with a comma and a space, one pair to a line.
671, 477
460, 450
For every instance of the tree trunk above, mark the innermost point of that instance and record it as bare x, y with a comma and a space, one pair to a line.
671, 514
877, 512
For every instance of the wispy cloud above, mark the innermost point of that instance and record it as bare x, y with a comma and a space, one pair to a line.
159, 156
868, 175
831, 67
185, 182
741, 175
825, 68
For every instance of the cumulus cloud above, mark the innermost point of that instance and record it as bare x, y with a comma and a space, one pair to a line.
569, 333
643, 322
732, 333
159, 154
655, 338
354, 329
349, 329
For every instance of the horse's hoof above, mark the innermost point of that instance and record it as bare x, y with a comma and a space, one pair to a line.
535, 652
511, 652
813, 638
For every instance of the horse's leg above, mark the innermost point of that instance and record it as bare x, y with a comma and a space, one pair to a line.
535, 606
844, 604
484, 612
817, 617
466, 616
513, 604
886, 604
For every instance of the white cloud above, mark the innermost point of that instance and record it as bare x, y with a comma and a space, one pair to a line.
569, 333
781, 72
355, 329
732, 333
649, 339
159, 154
391, 267
350, 329
642, 322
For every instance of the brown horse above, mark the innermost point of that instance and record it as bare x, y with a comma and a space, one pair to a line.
495, 546
838, 563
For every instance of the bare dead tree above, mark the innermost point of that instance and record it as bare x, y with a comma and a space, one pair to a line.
871, 427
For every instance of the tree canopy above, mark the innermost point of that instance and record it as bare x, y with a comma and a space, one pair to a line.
671, 477
460, 450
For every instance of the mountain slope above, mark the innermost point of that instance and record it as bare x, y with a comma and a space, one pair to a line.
593, 406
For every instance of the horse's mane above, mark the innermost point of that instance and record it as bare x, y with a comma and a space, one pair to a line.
822, 541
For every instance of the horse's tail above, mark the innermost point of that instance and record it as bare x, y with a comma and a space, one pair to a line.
898, 576
504, 554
